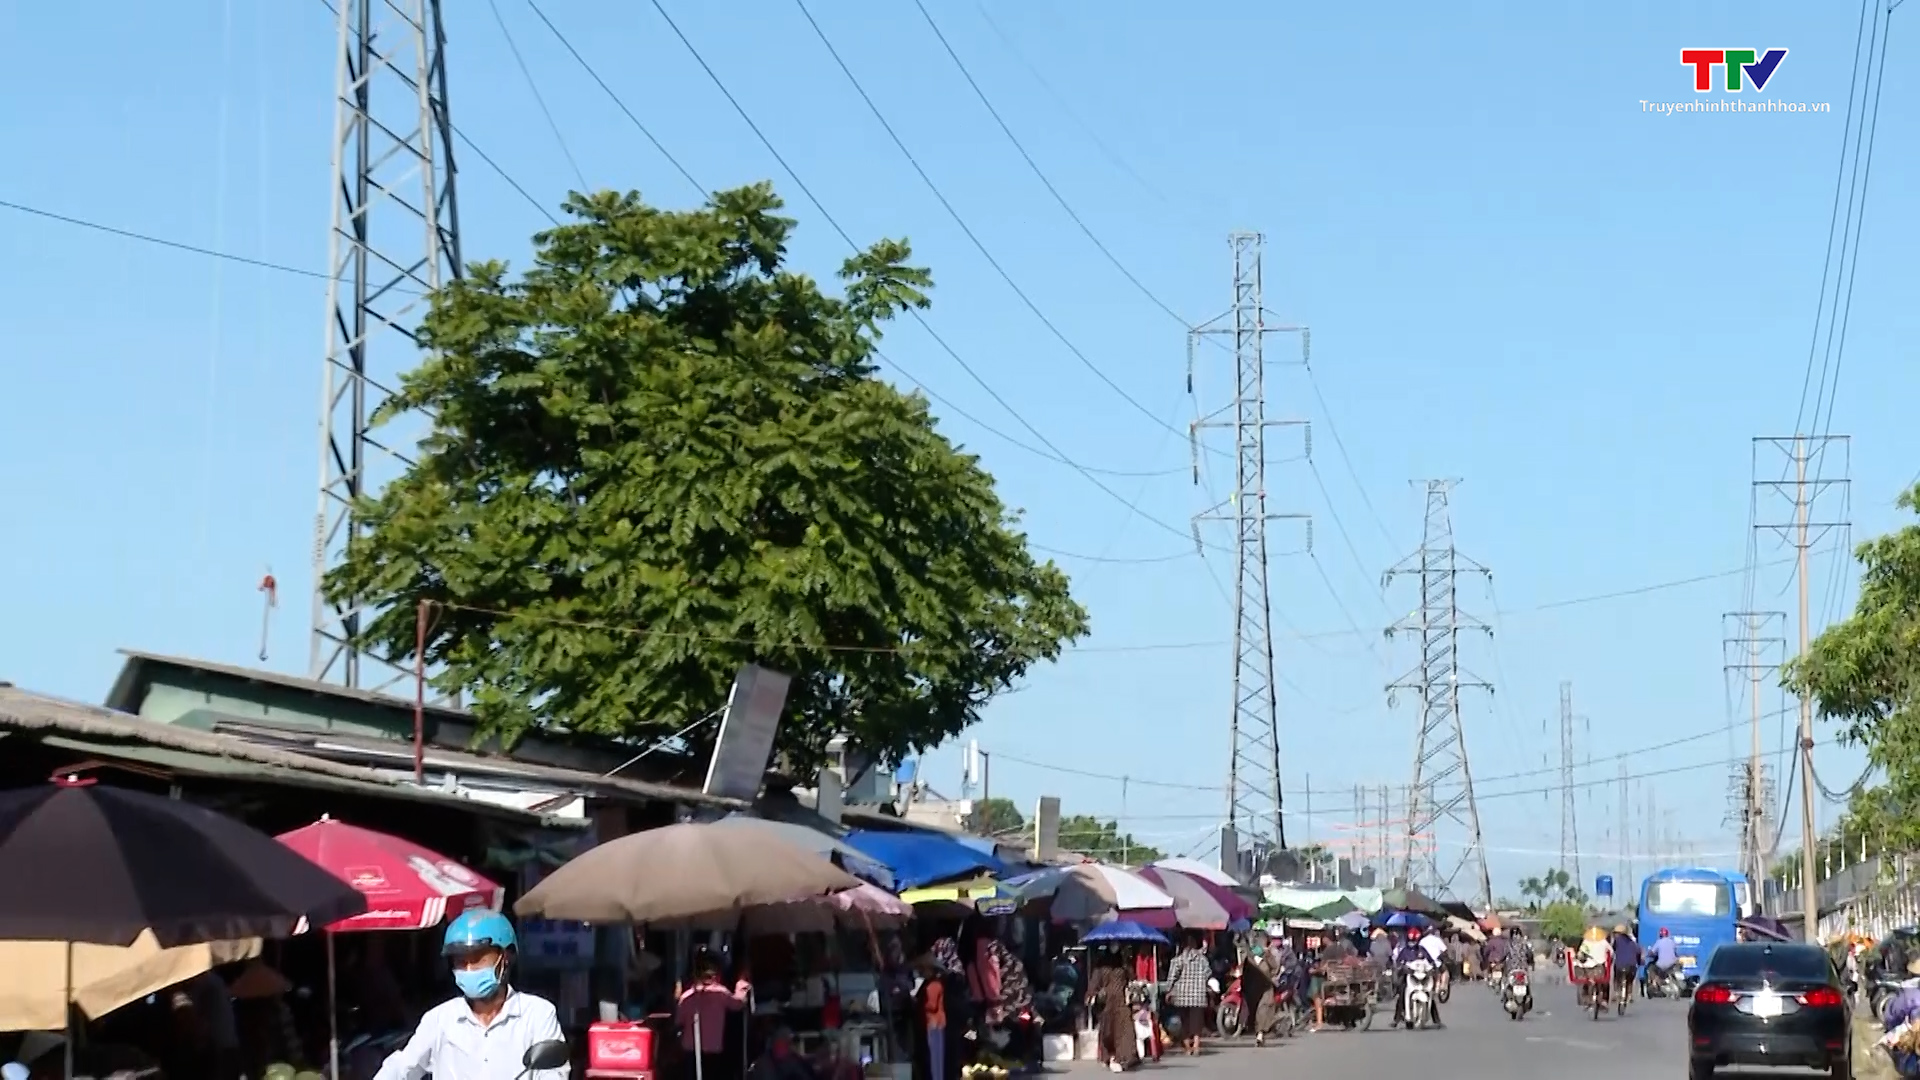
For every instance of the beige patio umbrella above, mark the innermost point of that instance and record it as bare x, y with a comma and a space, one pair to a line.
698, 876
34, 994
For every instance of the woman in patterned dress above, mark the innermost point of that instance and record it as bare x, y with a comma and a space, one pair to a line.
1189, 993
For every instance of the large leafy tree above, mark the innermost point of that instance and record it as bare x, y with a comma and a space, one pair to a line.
659, 454
1102, 839
1861, 673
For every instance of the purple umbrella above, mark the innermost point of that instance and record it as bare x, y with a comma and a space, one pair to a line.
1202, 905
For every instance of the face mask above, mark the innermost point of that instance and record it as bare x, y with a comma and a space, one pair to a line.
477, 984
1258, 950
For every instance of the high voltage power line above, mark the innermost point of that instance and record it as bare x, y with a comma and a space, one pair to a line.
1514, 793
1174, 785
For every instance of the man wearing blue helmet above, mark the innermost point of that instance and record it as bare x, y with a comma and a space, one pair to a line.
487, 1032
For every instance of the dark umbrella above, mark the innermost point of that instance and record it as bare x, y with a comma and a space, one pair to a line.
1765, 926
83, 863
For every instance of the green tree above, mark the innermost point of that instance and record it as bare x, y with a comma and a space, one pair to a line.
1861, 674
659, 454
1553, 887
996, 818
1562, 919
1103, 840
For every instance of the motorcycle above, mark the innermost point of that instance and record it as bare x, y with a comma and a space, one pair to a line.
1231, 1019
1671, 984
1882, 989
1516, 996
1496, 980
1418, 1001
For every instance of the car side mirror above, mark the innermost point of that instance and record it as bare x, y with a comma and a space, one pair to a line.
551, 1054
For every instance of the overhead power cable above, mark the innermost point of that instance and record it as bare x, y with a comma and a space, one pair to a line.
833, 222
967, 229
1034, 166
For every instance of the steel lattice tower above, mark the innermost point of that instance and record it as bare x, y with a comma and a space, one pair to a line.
1254, 806
1569, 829
395, 238
1442, 788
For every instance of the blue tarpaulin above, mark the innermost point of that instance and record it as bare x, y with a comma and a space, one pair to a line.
922, 858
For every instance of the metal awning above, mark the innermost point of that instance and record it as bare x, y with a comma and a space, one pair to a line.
189, 763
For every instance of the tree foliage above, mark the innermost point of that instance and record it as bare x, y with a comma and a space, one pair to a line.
1563, 919
996, 818
1861, 675
1103, 840
1553, 887
659, 454
1090, 836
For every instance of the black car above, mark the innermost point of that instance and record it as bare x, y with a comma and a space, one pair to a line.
1767, 1003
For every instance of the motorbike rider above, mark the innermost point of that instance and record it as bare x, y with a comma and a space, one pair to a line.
1520, 949
1626, 961
1664, 956
1593, 956
1414, 948
1499, 951
490, 1019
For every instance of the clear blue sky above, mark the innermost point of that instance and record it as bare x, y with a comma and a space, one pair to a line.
1514, 275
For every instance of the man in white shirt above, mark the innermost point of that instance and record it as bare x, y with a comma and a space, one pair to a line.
491, 1031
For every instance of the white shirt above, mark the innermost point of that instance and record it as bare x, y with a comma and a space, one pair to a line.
451, 1044
1433, 947
1595, 952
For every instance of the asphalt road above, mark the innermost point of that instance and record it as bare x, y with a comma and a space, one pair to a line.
1479, 1042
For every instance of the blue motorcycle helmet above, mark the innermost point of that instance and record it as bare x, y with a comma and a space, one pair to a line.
478, 946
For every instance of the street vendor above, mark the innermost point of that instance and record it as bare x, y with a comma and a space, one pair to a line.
485, 1033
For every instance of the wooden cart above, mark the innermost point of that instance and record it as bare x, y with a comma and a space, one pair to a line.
1351, 991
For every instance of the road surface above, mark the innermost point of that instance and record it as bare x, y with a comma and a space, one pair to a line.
1479, 1042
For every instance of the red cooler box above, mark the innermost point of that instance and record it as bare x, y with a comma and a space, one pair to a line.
620, 1049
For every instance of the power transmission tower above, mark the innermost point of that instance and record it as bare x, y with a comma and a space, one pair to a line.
1752, 644
1569, 831
1442, 778
1626, 833
1254, 807
395, 238
1802, 532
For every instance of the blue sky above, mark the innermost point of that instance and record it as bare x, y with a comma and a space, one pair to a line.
1513, 273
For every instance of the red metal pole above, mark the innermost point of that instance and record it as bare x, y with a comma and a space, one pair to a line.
420, 693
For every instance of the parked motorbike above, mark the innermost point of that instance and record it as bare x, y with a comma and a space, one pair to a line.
1419, 995
1516, 996
1882, 989
1231, 1019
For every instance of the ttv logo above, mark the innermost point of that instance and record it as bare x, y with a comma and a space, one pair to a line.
1758, 67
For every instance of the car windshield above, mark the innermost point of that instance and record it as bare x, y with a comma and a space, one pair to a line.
1700, 898
1800, 963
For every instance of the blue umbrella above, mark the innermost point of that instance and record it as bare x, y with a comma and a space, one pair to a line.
1122, 931
1403, 919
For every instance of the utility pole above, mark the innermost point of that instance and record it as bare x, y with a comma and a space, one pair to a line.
1753, 644
1254, 806
1569, 832
1803, 532
395, 238
1442, 777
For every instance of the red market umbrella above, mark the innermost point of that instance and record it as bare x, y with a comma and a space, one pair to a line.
407, 887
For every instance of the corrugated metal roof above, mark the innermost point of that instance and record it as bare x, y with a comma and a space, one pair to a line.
103, 733
362, 749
